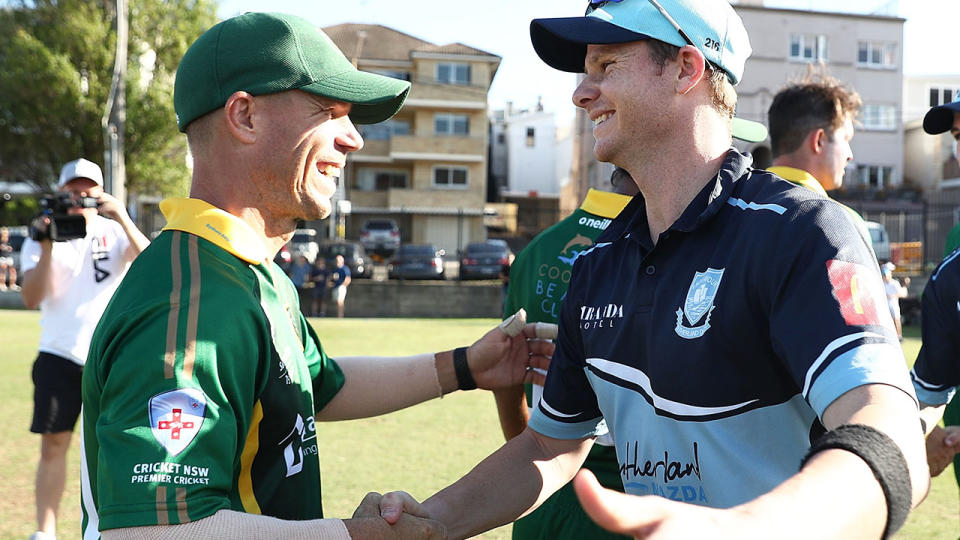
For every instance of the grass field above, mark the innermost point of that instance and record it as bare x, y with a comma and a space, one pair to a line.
420, 450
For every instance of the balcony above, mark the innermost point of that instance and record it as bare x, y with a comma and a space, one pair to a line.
407, 146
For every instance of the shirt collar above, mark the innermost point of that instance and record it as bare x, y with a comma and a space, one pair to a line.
227, 231
604, 203
799, 177
703, 207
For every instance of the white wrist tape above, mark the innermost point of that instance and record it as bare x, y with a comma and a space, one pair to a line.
514, 324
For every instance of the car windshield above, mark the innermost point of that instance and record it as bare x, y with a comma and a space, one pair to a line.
485, 249
380, 225
301, 238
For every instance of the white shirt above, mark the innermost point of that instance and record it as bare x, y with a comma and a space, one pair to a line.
85, 273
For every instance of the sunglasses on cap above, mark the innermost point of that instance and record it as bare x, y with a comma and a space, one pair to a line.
597, 4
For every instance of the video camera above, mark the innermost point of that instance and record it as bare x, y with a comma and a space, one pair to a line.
63, 226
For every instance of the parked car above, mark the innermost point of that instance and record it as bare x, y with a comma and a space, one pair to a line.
880, 240
417, 261
484, 260
380, 235
354, 257
304, 242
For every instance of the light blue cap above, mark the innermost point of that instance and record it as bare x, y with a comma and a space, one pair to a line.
712, 25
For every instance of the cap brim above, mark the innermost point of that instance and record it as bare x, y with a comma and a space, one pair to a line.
940, 119
375, 98
562, 42
748, 130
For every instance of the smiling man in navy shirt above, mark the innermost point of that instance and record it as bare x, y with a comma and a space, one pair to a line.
727, 329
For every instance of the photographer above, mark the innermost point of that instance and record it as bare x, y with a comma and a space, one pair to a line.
71, 277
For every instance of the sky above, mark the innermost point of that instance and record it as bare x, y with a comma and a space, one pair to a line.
501, 27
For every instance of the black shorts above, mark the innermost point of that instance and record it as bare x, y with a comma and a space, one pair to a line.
56, 394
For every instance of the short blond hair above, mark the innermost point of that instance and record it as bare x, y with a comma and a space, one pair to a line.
723, 94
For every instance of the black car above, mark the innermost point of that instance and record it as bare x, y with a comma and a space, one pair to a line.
417, 261
354, 257
484, 260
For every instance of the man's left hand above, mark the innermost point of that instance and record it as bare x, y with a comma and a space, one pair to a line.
942, 445
110, 206
498, 360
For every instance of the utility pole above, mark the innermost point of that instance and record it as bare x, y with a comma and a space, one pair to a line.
114, 117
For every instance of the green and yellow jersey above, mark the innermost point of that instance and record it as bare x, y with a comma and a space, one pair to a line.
201, 383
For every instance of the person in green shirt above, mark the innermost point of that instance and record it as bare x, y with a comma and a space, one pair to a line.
811, 126
204, 382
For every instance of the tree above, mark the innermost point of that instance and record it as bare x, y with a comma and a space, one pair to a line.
56, 57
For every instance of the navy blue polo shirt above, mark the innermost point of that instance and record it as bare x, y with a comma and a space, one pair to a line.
711, 355
936, 374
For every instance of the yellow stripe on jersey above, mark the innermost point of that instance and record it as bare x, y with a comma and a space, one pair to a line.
170, 356
162, 517
250, 447
182, 505
193, 311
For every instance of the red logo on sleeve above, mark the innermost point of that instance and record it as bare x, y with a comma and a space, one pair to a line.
854, 287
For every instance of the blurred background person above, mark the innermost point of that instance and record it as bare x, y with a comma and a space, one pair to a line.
895, 291
320, 277
71, 282
8, 271
341, 280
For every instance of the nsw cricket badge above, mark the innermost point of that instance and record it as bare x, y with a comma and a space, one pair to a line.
699, 303
176, 417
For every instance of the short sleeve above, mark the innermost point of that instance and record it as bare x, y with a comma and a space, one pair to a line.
936, 374
29, 254
829, 323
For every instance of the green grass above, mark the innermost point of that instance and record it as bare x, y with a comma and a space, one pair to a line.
421, 449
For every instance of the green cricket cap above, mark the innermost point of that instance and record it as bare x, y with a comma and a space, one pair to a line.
266, 53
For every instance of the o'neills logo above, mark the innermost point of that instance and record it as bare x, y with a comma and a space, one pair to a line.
600, 316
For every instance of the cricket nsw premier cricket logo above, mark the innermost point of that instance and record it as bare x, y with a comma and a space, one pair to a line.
176, 417
699, 302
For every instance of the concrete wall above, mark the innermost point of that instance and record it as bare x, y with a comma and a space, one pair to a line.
367, 298
451, 299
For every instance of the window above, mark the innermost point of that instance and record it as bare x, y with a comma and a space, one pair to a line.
385, 130
501, 138
875, 176
402, 75
453, 73
874, 116
808, 47
530, 137
450, 176
381, 179
940, 95
876, 54
451, 124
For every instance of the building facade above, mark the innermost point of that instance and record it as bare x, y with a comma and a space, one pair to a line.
427, 166
863, 51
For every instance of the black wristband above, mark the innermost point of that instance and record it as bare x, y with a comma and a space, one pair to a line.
464, 377
884, 458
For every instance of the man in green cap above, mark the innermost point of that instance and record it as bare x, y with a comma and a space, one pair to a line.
204, 381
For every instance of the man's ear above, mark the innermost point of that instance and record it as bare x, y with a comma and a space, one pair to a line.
238, 111
693, 67
815, 141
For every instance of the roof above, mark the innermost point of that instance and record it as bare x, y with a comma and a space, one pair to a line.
383, 43
875, 16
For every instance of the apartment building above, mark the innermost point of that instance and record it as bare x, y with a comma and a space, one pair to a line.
427, 166
930, 161
863, 51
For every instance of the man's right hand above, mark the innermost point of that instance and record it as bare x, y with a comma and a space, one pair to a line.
369, 521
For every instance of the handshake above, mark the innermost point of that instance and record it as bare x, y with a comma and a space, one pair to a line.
394, 515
